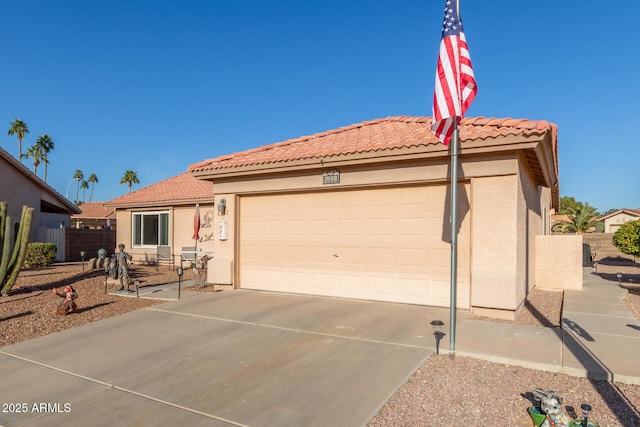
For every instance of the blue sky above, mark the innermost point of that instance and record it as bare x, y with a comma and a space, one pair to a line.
154, 86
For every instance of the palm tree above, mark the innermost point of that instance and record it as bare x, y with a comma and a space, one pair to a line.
129, 178
78, 176
36, 153
582, 219
93, 179
20, 129
47, 145
84, 185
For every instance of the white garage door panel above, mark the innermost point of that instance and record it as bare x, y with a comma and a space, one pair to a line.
379, 244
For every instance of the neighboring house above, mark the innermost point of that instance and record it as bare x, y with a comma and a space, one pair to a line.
363, 212
94, 215
162, 214
614, 220
19, 186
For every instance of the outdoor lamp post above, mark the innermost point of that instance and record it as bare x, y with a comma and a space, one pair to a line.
82, 254
137, 283
437, 332
619, 276
180, 272
586, 411
106, 277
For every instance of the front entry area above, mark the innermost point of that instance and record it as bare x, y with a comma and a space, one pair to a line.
384, 244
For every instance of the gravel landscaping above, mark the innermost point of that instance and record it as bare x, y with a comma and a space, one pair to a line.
442, 392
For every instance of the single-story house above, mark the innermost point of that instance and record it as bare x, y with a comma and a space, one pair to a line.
162, 214
363, 211
20, 186
94, 215
614, 220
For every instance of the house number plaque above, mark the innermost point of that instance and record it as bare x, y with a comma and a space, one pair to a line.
331, 176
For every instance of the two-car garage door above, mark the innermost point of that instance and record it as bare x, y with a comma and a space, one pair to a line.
388, 244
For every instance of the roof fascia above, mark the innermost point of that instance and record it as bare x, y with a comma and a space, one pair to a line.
159, 203
20, 168
430, 151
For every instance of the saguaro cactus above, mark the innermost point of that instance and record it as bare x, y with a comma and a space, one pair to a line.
11, 260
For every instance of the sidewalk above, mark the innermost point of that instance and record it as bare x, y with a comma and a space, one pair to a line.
599, 338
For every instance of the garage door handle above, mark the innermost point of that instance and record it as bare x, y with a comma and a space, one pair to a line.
335, 255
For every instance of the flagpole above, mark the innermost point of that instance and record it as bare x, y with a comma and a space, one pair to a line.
455, 89
454, 238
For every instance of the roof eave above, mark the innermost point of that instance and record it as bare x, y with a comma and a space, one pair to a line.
159, 203
427, 151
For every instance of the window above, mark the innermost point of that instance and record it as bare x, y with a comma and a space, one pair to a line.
151, 229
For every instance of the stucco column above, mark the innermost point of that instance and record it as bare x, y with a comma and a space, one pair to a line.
494, 242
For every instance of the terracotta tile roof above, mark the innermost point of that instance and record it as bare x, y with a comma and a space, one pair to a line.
95, 210
180, 188
381, 134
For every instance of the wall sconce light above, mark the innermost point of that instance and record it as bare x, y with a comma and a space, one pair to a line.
619, 276
437, 332
82, 254
222, 207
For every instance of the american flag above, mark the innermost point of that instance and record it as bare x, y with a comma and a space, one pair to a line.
455, 84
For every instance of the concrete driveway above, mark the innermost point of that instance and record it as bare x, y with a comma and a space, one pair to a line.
229, 358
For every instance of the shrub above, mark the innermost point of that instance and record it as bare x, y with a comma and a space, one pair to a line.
39, 255
627, 238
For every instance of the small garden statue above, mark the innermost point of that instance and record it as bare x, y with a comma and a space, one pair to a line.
123, 259
68, 305
551, 408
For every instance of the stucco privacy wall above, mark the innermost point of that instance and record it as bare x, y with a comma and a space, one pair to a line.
558, 261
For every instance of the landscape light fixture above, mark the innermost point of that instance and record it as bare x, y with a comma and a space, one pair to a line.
137, 283
586, 411
180, 272
437, 332
619, 276
82, 254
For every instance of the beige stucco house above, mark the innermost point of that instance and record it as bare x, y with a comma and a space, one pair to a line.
162, 214
19, 186
614, 220
363, 212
